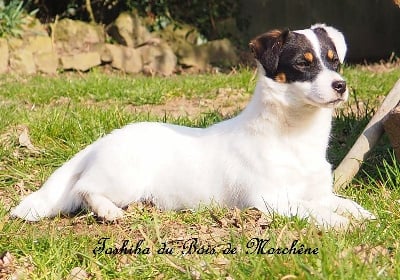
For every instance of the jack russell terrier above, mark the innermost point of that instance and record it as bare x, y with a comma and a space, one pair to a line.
272, 156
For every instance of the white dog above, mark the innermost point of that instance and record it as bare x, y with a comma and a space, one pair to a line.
271, 156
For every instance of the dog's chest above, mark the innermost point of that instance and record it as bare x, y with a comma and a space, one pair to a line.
279, 159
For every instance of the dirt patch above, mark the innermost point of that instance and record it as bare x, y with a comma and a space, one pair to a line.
144, 221
227, 101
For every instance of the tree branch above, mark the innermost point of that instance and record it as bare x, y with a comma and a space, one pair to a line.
351, 163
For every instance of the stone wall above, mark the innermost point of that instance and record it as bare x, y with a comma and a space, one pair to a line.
125, 45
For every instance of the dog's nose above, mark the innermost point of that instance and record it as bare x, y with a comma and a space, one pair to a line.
339, 86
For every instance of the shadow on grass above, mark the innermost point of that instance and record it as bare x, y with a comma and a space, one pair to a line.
347, 126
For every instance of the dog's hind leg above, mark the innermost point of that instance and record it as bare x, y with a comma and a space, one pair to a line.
102, 206
100, 192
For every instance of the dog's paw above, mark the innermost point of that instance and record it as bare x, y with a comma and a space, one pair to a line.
349, 207
365, 215
333, 220
110, 214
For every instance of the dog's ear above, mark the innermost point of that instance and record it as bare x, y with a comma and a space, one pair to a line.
267, 48
337, 38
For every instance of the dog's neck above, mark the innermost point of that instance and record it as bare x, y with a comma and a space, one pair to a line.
273, 109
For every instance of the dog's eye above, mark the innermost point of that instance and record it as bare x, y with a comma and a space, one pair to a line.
335, 63
301, 64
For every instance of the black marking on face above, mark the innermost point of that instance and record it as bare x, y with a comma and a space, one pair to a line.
329, 54
298, 60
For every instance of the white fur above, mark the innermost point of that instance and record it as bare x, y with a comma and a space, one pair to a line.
271, 156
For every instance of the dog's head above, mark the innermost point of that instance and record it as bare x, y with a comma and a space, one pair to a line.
308, 60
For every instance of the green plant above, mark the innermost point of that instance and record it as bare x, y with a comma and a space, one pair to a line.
11, 18
204, 15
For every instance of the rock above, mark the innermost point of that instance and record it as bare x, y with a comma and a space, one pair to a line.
4, 56
45, 57
129, 30
15, 43
104, 52
125, 58
174, 32
218, 52
37, 50
81, 61
158, 59
105, 55
22, 62
192, 56
31, 26
184, 41
46, 62
221, 52
72, 37
39, 44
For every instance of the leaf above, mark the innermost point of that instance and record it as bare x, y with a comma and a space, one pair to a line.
367, 254
77, 273
25, 141
6, 260
7, 266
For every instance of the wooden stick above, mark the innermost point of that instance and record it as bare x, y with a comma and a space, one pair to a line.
391, 124
90, 11
351, 163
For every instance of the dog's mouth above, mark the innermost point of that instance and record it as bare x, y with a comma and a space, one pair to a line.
335, 101
329, 104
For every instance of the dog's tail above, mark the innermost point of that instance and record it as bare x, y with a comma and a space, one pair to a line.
56, 195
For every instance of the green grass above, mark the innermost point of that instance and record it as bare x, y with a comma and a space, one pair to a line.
96, 103
119, 88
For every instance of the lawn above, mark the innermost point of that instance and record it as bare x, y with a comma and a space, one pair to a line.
60, 115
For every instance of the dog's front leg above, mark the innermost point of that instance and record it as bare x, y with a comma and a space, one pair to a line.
344, 206
309, 210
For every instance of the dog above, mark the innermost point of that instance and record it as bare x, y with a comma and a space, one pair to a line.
271, 156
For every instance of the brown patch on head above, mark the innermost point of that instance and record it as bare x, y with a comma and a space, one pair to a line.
267, 48
309, 56
330, 54
280, 78
274, 33
258, 45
